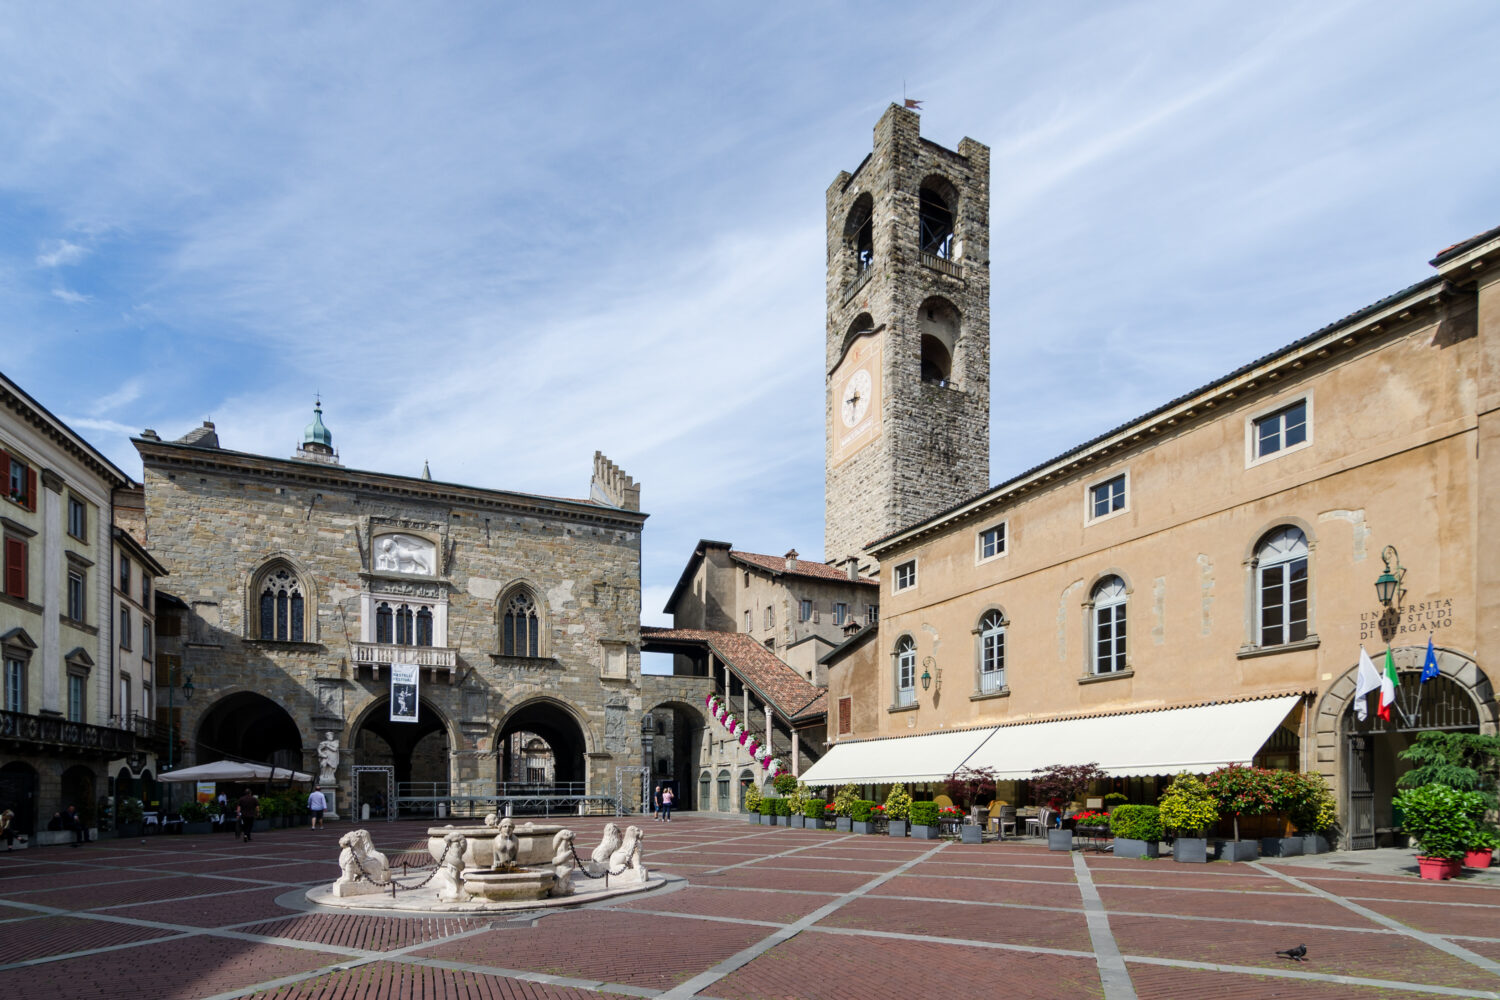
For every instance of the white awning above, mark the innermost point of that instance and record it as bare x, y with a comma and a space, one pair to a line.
931, 757
232, 770
1140, 743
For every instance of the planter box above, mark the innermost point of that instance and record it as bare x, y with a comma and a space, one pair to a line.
1281, 847
843, 824
1059, 840
783, 821
1478, 859
1127, 848
1438, 869
897, 828
126, 830
198, 828
1192, 850
924, 832
1314, 843
754, 818
798, 821
971, 834
870, 827
1239, 850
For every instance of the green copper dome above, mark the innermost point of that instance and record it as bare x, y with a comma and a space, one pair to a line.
316, 433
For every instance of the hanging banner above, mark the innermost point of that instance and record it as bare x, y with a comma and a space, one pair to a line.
404, 679
205, 792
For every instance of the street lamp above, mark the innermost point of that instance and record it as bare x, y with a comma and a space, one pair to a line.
1388, 584
926, 673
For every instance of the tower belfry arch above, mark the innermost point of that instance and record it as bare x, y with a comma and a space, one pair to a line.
908, 335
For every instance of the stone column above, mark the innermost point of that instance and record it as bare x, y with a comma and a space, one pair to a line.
796, 750
770, 733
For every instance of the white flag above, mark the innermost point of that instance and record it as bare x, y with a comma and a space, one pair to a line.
1365, 681
405, 678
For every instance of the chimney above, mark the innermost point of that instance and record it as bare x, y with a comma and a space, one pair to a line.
853, 565
791, 561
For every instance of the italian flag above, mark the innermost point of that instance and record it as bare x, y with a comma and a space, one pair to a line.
1387, 687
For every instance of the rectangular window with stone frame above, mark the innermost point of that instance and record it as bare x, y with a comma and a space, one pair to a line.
16, 575
77, 697
15, 683
804, 610
77, 596
124, 628
78, 518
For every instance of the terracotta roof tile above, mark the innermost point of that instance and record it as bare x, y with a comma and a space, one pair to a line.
805, 567
791, 694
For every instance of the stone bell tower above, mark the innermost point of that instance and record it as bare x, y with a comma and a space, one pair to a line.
907, 405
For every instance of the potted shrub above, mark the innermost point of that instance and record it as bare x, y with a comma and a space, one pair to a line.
195, 818
752, 802
1241, 791
1287, 790
1137, 831
862, 818
924, 820
1481, 848
843, 806
1442, 821
1188, 810
1313, 812
812, 814
768, 811
1061, 783
783, 811
273, 809
897, 810
971, 786
129, 815
796, 801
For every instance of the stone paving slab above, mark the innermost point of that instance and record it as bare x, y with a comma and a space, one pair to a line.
211, 911
1034, 893
63, 935
362, 931
1442, 918
1159, 983
940, 919
743, 904
1297, 908
388, 979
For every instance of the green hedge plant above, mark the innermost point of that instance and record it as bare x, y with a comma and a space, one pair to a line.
898, 803
783, 807
863, 810
924, 813
1443, 821
753, 798
193, 812
813, 808
768, 806
844, 799
1136, 823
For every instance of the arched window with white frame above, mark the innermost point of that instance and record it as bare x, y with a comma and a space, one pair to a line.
1281, 585
906, 672
991, 651
1109, 606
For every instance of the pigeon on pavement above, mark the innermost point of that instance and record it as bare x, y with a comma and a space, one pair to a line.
1296, 954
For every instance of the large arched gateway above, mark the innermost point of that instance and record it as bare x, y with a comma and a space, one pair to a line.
554, 725
249, 726
1362, 757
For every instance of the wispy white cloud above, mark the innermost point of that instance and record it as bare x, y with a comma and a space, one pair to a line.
57, 253
69, 296
129, 391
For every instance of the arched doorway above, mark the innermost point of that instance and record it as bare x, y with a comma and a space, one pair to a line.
542, 731
18, 791
251, 727
676, 749
417, 751
1368, 764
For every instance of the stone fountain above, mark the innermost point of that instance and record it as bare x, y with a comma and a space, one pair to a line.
494, 866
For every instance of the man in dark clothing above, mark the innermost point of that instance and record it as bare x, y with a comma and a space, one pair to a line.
73, 821
245, 808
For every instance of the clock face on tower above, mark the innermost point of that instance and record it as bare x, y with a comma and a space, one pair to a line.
856, 402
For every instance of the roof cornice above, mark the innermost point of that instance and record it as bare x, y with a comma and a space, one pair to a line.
163, 454
1318, 350
34, 413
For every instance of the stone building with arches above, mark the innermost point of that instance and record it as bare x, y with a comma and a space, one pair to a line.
1193, 587
303, 582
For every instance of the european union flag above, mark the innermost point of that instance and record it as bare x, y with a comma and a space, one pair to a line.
1429, 666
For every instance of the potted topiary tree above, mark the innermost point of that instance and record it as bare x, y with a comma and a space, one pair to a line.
924, 820
897, 810
1188, 810
1058, 785
796, 800
812, 814
1241, 791
843, 805
862, 817
1444, 822
1137, 831
1314, 812
1287, 790
768, 810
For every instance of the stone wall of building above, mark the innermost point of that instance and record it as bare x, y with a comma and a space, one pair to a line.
217, 518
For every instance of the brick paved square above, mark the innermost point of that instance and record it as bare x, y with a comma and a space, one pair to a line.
388, 979
1158, 983
1439, 918
1002, 924
1298, 908
61, 935
242, 904
982, 890
745, 904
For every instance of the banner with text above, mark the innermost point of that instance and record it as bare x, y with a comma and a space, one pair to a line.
404, 680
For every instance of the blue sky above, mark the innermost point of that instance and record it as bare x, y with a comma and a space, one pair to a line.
496, 238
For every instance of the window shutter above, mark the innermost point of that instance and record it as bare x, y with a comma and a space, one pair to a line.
15, 567
5, 471
30, 489
845, 705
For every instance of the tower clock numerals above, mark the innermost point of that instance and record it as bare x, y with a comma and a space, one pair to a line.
856, 401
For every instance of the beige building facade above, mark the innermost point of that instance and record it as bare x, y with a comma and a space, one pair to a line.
1224, 548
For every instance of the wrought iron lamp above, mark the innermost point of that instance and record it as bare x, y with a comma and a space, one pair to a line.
926, 673
1388, 584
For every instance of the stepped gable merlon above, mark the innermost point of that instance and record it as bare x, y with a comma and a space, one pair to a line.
772, 679
612, 486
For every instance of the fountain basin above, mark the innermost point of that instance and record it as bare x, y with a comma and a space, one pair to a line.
535, 843
504, 887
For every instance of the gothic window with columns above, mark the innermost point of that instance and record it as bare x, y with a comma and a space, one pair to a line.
520, 627
403, 624
282, 606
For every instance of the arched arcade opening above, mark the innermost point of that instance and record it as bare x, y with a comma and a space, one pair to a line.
250, 727
418, 752
550, 740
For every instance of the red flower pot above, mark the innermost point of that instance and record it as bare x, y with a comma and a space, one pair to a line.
1479, 858
1438, 869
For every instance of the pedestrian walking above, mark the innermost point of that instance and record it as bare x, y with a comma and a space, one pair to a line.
245, 809
73, 821
656, 804
8, 829
317, 804
666, 804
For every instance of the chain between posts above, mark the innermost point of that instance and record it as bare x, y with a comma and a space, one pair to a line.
366, 876
607, 873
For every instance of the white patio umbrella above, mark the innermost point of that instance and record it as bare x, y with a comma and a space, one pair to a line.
233, 770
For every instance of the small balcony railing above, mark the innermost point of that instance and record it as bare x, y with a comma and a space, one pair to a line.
384, 654
51, 731
906, 697
941, 264
991, 681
